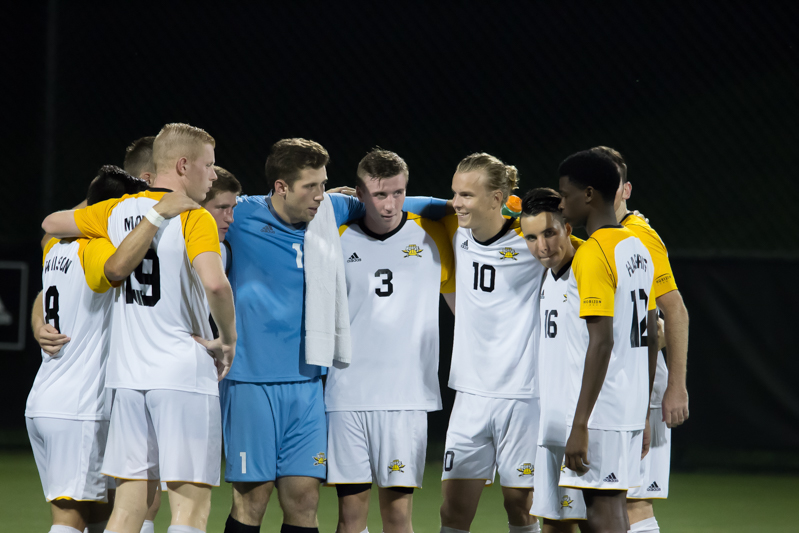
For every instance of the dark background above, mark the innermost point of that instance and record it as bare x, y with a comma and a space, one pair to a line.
700, 97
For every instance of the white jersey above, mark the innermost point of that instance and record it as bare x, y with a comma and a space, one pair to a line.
561, 355
162, 303
496, 314
615, 276
77, 302
393, 283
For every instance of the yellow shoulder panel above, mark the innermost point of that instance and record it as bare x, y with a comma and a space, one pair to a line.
443, 241
49, 246
200, 232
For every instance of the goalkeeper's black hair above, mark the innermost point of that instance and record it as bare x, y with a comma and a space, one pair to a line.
540, 200
113, 182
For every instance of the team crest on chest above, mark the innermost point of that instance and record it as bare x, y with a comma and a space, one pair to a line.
320, 459
395, 466
413, 251
508, 253
526, 469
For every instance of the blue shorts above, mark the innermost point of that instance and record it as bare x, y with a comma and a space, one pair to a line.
273, 430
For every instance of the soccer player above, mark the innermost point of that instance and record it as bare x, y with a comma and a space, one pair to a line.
562, 345
166, 383
614, 276
139, 159
669, 401
67, 410
273, 409
397, 264
494, 422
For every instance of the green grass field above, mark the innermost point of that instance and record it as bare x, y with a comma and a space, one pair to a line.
698, 503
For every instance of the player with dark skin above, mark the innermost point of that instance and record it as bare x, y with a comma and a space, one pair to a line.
606, 510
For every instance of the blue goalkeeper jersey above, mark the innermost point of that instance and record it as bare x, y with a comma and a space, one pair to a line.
268, 280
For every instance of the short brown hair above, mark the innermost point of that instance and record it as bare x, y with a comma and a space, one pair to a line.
380, 164
225, 182
139, 157
288, 157
179, 140
500, 176
617, 158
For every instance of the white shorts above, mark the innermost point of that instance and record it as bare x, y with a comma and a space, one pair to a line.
69, 456
164, 434
657, 463
550, 500
615, 458
388, 447
486, 435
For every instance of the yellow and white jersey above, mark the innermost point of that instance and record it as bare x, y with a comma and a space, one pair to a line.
615, 275
494, 353
393, 283
77, 302
664, 282
562, 346
162, 303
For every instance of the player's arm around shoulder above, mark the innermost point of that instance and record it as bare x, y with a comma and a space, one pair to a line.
202, 247
48, 337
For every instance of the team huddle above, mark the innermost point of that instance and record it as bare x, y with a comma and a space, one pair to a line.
303, 333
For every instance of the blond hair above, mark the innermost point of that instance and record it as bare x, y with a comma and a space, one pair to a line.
500, 176
178, 140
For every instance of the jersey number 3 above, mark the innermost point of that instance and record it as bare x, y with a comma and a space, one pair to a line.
151, 279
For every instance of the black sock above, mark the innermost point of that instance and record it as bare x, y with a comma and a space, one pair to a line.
285, 528
234, 526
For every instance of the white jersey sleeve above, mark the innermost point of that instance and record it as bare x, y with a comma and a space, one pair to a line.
77, 302
496, 315
162, 303
393, 286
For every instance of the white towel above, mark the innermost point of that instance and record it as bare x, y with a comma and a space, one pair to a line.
327, 316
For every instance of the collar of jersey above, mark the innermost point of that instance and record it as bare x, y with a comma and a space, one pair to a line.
563, 270
505, 227
384, 236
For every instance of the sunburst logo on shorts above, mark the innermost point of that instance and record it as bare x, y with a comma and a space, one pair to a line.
320, 459
526, 469
413, 251
565, 297
508, 253
563, 468
566, 502
396, 466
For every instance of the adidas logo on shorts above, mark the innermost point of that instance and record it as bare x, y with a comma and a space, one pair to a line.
465, 245
268, 229
353, 258
653, 487
611, 478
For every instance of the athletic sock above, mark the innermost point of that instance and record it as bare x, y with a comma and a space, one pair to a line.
365, 530
532, 528
96, 527
234, 526
285, 528
148, 527
650, 525
63, 529
451, 530
183, 529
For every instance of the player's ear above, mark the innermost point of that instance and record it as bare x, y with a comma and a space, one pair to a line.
181, 166
627, 192
568, 228
588, 194
359, 193
281, 187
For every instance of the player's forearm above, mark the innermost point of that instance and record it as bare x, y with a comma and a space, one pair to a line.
61, 225
676, 330
131, 251
652, 350
220, 301
37, 316
597, 359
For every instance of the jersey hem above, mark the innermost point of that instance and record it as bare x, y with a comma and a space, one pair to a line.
272, 379
501, 395
112, 385
61, 416
361, 408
